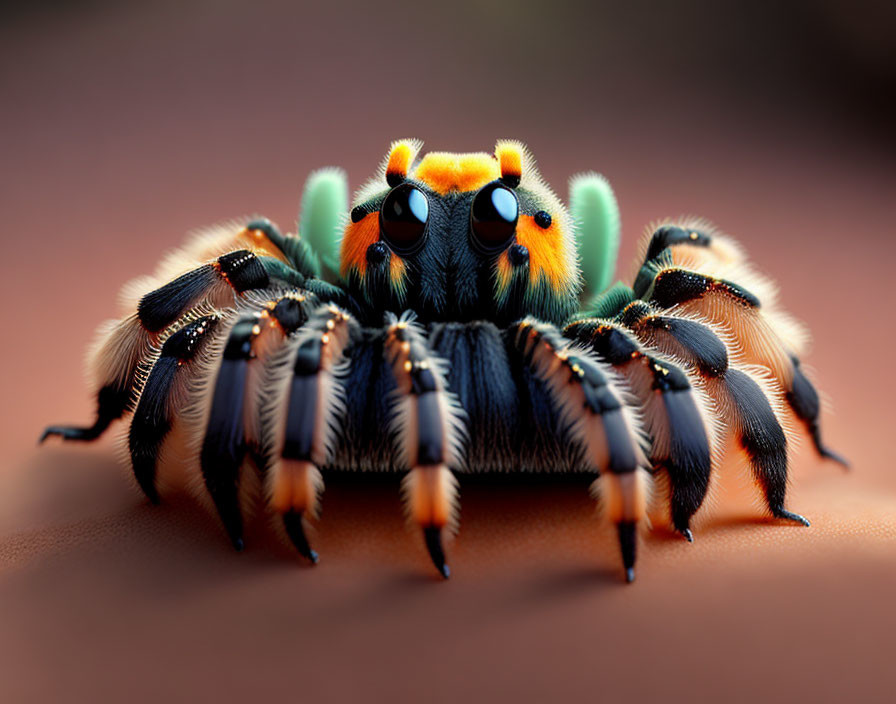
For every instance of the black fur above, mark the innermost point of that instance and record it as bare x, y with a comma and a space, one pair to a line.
707, 351
224, 445
303, 401
803, 399
689, 462
153, 415
761, 436
160, 308
674, 286
111, 402
243, 270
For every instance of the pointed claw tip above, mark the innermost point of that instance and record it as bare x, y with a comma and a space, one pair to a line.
839, 459
629, 575
688, 535
795, 517
313, 557
238, 544
432, 536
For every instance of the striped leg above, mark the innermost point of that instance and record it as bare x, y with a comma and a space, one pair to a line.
738, 395
594, 410
301, 408
674, 412
226, 409
428, 426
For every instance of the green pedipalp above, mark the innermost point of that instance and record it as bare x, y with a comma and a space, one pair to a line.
279, 271
596, 215
611, 302
323, 208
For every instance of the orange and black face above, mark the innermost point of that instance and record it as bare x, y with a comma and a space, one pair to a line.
461, 237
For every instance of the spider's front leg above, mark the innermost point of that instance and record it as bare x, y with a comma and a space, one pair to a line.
594, 410
427, 425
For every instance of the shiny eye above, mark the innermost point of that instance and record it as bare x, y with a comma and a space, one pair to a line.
403, 218
493, 216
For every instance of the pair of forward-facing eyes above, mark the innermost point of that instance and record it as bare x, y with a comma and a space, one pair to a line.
404, 217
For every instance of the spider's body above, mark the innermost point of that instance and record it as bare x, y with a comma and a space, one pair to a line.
453, 342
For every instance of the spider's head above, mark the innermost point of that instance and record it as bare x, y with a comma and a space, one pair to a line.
461, 237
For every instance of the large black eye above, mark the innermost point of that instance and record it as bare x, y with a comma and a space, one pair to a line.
403, 218
493, 216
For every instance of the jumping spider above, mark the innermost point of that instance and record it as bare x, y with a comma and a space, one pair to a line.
452, 341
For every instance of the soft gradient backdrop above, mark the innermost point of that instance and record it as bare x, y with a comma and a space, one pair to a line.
123, 125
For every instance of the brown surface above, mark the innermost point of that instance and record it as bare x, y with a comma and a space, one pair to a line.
123, 128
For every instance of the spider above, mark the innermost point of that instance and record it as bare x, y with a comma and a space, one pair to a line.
460, 335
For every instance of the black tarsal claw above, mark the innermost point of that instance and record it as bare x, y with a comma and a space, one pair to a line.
627, 544
433, 537
790, 516
686, 533
831, 455
295, 529
68, 433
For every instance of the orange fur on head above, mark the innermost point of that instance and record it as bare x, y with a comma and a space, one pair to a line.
358, 237
444, 172
548, 257
401, 156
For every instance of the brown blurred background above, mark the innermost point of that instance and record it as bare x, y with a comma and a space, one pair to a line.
123, 125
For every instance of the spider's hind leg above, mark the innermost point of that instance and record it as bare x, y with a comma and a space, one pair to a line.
695, 270
122, 345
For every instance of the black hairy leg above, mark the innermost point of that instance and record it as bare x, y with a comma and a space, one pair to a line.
594, 414
427, 425
124, 344
157, 407
674, 413
302, 406
742, 404
227, 410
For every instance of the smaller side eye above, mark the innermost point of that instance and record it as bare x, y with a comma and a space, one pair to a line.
493, 217
403, 218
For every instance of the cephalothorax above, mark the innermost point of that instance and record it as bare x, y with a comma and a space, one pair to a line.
450, 339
